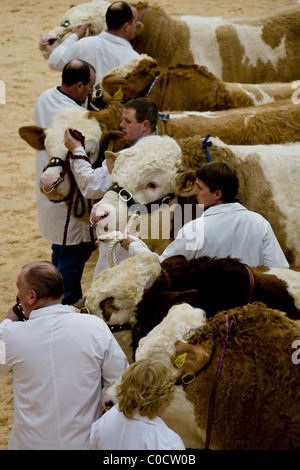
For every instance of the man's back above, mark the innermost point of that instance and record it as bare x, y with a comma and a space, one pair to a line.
59, 360
231, 230
105, 52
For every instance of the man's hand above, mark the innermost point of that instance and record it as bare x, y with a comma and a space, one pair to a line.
11, 315
70, 142
128, 239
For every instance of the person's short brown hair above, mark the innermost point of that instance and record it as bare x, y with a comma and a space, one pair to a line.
220, 175
146, 387
145, 109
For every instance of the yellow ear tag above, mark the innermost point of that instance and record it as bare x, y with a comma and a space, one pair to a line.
189, 186
110, 146
180, 360
118, 95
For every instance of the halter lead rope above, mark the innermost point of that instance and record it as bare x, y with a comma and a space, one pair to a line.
230, 320
206, 143
77, 135
117, 237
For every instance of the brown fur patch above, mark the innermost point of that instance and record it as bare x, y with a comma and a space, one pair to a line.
163, 37
272, 123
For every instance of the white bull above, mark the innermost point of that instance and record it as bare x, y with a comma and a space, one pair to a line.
93, 12
143, 181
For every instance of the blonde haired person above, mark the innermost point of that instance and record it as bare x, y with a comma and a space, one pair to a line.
145, 390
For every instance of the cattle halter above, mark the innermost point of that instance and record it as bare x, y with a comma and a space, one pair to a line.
127, 197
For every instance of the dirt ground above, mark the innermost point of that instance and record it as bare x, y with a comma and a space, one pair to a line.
26, 75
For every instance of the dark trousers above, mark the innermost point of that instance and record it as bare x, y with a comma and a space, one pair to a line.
70, 261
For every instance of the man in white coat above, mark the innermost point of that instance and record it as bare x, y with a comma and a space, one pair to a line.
140, 117
105, 51
60, 360
72, 249
226, 228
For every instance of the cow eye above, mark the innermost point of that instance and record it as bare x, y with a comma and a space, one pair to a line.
152, 185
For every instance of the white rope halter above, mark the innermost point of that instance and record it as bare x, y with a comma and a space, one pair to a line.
117, 237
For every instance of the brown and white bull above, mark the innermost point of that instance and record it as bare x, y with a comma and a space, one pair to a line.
272, 123
116, 291
213, 285
135, 295
227, 395
185, 87
256, 49
268, 177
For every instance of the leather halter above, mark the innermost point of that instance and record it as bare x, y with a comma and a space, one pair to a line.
127, 197
115, 328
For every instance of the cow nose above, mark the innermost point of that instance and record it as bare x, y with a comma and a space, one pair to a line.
98, 216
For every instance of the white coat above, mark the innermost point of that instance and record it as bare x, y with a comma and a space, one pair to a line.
59, 361
226, 230
105, 52
52, 217
113, 431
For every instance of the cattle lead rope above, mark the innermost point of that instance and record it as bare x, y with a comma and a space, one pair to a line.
117, 237
229, 322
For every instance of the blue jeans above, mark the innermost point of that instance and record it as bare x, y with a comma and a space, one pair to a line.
70, 261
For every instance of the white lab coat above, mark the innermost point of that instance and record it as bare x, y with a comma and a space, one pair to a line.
226, 230
52, 216
113, 431
105, 52
59, 360
92, 183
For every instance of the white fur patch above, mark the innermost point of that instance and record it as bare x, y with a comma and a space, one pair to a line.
181, 321
76, 16
256, 49
203, 41
281, 167
205, 47
263, 98
292, 279
76, 119
122, 70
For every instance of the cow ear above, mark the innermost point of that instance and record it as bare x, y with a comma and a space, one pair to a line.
139, 27
34, 136
191, 297
190, 358
112, 84
110, 158
113, 141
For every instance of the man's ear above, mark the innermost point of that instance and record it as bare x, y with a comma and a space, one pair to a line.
146, 125
219, 194
32, 297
